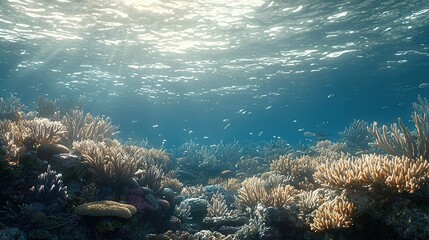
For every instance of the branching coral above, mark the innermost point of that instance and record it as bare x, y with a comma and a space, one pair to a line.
148, 157
11, 108
283, 196
108, 162
150, 177
357, 135
47, 108
50, 190
400, 174
14, 133
299, 170
399, 141
183, 211
308, 201
81, 127
333, 214
253, 191
44, 131
217, 206
421, 106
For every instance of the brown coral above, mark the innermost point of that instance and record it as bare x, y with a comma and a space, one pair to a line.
398, 173
107, 162
333, 215
105, 208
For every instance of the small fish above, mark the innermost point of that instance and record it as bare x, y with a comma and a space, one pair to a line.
155, 126
226, 120
423, 85
309, 134
229, 124
226, 173
331, 95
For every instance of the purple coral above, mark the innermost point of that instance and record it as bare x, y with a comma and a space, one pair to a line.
50, 190
136, 198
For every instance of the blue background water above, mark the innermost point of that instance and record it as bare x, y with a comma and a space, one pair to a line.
249, 70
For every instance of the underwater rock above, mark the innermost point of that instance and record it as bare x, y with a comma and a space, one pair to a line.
12, 233
47, 150
225, 221
198, 207
105, 208
65, 160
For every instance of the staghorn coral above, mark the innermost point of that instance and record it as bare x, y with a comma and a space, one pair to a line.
299, 170
400, 174
283, 196
44, 131
107, 162
50, 191
11, 108
252, 192
82, 127
148, 157
183, 211
14, 134
151, 177
333, 214
308, 201
47, 108
105, 208
421, 106
356, 136
193, 191
399, 141
173, 183
256, 191
231, 184
217, 206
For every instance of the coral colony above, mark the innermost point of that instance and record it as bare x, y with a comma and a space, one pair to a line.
65, 176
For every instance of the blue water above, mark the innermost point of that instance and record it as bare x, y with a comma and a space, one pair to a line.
250, 70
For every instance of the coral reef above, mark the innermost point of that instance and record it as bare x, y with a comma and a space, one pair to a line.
268, 190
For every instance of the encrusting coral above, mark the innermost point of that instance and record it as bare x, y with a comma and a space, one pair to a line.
105, 208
